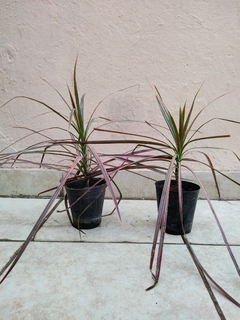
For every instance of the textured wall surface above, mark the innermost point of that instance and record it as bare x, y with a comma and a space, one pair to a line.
175, 45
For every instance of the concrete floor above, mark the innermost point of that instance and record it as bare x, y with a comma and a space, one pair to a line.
104, 276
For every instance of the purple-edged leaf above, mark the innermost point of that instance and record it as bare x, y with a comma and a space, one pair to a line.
204, 275
108, 180
161, 223
218, 222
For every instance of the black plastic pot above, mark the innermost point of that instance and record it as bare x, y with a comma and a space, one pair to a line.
190, 197
86, 209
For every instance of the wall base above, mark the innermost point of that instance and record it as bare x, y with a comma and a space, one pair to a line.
30, 182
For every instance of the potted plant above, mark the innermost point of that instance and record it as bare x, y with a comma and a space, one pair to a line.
86, 173
172, 150
180, 150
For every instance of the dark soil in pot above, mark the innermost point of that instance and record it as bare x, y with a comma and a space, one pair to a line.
190, 197
86, 212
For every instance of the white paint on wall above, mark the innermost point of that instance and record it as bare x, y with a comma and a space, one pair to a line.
175, 45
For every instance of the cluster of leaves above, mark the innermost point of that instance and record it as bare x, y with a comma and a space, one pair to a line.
73, 155
176, 150
183, 156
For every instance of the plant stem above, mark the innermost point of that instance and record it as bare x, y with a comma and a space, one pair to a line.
176, 171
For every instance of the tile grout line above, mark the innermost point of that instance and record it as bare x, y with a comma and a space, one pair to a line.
116, 242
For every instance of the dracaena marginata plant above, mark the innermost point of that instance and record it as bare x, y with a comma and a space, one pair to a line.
181, 153
73, 155
171, 151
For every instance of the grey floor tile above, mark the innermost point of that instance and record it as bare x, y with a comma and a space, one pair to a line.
138, 221
105, 275
108, 281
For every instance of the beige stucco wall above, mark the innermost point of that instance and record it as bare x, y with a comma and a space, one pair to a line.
175, 45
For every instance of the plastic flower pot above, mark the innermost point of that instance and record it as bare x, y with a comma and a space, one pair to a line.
85, 202
190, 197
